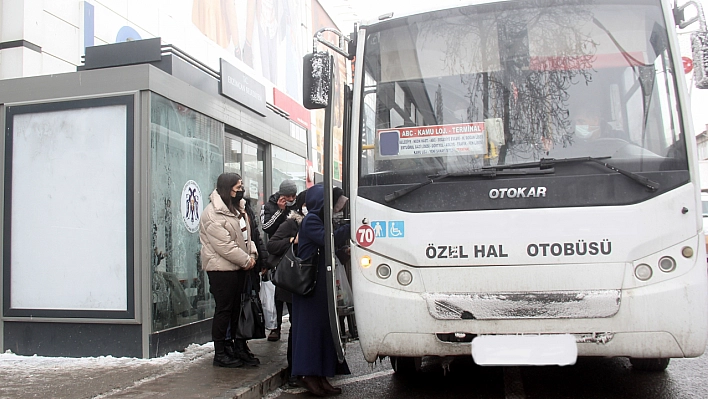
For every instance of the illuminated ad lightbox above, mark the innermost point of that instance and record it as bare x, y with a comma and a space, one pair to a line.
438, 140
68, 232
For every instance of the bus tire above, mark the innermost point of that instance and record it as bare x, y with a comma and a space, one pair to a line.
651, 364
405, 365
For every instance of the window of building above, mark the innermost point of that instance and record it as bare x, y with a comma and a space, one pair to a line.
287, 165
247, 159
298, 132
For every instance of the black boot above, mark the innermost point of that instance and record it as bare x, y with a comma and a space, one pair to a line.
248, 351
241, 354
229, 348
221, 359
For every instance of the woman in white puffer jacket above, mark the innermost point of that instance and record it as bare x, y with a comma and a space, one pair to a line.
227, 252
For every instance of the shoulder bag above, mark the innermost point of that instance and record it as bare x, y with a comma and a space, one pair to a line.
251, 322
294, 274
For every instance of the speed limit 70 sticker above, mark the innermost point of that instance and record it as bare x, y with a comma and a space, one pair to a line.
365, 235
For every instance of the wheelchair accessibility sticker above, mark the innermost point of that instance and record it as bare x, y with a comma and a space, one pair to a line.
388, 228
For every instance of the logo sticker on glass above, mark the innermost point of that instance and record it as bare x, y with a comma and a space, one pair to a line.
191, 205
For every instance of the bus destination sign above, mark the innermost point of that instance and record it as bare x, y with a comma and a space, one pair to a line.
431, 141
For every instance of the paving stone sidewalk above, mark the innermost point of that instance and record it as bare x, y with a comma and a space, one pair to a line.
177, 375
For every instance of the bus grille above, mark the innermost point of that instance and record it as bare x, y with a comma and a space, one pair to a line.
527, 305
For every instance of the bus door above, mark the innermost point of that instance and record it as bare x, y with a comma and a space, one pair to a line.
318, 79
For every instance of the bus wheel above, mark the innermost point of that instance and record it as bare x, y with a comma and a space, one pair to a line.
405, 365
654, 364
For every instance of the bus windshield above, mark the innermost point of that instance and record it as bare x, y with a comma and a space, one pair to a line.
462, 90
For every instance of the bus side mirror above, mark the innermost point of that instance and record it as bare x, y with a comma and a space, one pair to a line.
699, 40
317, 80
699, 47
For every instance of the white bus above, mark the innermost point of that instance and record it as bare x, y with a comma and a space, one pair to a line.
523, 185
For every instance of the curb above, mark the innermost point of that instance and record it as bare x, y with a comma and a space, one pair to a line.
257, 391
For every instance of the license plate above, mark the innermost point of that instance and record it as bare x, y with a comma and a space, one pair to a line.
517, 350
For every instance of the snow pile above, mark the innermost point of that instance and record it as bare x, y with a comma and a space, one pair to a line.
38, 364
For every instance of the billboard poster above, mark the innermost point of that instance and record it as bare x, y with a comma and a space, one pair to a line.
266, 35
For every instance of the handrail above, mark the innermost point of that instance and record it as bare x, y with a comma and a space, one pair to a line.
699, 15
339, 48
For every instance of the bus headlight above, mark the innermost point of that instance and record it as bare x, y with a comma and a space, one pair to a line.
383, 271
643, 272
667, 264
405, 277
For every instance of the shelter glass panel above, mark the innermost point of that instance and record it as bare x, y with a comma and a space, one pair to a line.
186, 159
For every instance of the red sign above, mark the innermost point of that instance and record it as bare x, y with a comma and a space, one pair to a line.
365, 235
687, 64
297, 112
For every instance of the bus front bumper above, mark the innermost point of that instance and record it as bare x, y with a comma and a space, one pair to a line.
654, 321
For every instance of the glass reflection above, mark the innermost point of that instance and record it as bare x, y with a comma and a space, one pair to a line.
186, 158
288, 165
253, 179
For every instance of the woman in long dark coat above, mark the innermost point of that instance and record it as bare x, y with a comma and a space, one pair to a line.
314, 354
278, 245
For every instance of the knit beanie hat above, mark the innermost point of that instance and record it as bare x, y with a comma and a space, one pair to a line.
287, 187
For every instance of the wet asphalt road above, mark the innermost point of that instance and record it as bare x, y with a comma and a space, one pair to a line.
589, 378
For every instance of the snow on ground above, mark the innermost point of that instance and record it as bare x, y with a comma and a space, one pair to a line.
87, 377
32, 364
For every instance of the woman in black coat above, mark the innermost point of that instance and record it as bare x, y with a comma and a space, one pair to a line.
314, 354
278, 245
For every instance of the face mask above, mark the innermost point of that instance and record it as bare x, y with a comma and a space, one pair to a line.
290, 203
238, 197
585, 131
304, 210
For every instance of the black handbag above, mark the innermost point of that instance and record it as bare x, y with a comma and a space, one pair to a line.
294, 274
251, 322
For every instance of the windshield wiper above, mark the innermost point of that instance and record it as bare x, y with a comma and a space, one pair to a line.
488, 173
546, 163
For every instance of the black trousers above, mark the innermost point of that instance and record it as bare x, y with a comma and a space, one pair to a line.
226, 287
279, 313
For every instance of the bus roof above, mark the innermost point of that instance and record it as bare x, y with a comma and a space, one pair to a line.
413, 9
